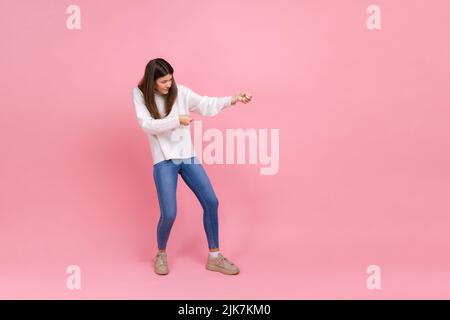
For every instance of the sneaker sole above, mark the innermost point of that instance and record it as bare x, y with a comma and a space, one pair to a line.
217, 269
162, 273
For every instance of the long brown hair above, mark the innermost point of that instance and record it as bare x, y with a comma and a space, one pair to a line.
155, 69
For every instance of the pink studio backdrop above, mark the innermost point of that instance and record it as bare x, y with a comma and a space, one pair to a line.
364, 148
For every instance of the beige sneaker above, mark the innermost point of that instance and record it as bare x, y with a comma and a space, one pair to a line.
221, 264
161, 266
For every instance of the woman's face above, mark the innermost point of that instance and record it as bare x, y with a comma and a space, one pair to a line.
163, 84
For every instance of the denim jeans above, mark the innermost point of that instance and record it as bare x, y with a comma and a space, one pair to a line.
165, 174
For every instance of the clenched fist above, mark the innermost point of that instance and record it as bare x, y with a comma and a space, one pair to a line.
185, 120
242, 97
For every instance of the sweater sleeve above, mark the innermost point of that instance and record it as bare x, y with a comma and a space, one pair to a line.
204, 105
146, 121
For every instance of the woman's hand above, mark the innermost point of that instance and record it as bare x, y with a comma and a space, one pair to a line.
185, 120
242, 97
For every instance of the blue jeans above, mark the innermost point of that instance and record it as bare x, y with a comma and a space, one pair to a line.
165, 174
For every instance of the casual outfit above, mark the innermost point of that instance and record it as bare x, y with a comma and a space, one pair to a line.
173, 154
165, 174
169, 139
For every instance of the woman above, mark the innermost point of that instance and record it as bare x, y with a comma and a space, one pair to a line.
162, 107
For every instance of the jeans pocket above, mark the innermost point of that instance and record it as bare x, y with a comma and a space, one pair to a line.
160, 163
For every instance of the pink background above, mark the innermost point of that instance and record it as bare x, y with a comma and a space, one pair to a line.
364, 149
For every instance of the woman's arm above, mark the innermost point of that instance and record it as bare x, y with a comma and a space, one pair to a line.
147, 123
204, 105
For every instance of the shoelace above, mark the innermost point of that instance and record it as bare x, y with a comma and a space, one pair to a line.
161, 260
222, 258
